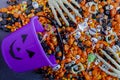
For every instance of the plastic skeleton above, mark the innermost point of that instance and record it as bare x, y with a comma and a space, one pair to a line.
90, 4
58, 4
106, 66
80, 28
75, 68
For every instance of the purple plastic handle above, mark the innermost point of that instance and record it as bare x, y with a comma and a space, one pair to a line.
22, 49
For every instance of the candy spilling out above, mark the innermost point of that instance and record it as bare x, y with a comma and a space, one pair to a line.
84, 35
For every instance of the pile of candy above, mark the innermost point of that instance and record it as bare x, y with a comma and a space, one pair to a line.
86, 44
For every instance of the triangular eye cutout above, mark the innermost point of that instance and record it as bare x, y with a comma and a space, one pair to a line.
18, 49
24, 36
30, 53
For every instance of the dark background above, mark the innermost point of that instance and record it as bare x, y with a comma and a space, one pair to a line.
5, 72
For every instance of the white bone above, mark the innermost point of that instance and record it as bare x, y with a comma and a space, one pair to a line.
60, 12
75, 3
50, 2
57, 4
66, 10
78, 65
76, 12
118, 48
112, 60
110, 73
97, 61
110, 41
90, 4
112, 52
111, 67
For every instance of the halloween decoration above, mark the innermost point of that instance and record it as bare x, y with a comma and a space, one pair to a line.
82, 35
55, 4
22, 50
116, 71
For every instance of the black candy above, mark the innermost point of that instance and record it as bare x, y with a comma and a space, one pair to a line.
39, 9
118, 43
94, 16
80, 10
15, 19
78, 1
10, 15
47, 5
1, 27
57, 49
45, 46
30, 7
12, 21
54, 22
81, 46
3, 22
12, 2
72, 24
39, 37
80, 78
118, 11
29, 2
5, 15
89, 0
9, 22
107, 12
27, 11
4, 29
109, 24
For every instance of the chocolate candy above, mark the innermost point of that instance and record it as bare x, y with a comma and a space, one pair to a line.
118, 43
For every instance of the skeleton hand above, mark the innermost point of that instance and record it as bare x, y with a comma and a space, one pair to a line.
106, 66
57, 4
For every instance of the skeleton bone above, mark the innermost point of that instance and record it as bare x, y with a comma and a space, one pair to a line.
79, 66
90, 4
116, 71
57, 4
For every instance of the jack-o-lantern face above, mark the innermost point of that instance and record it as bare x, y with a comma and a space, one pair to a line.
22, 50
18, 49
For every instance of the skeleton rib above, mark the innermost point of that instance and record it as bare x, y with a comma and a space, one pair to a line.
110, 73
118, 48
116, 56
112, 60
112, 68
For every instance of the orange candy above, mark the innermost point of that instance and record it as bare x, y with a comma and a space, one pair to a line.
101, 10
113, 12
67, 60
3, 10
117, 18
117, 1
88, 43
59, 54
66, 48
87, 76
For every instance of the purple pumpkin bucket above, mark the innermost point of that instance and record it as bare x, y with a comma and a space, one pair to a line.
22, 49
